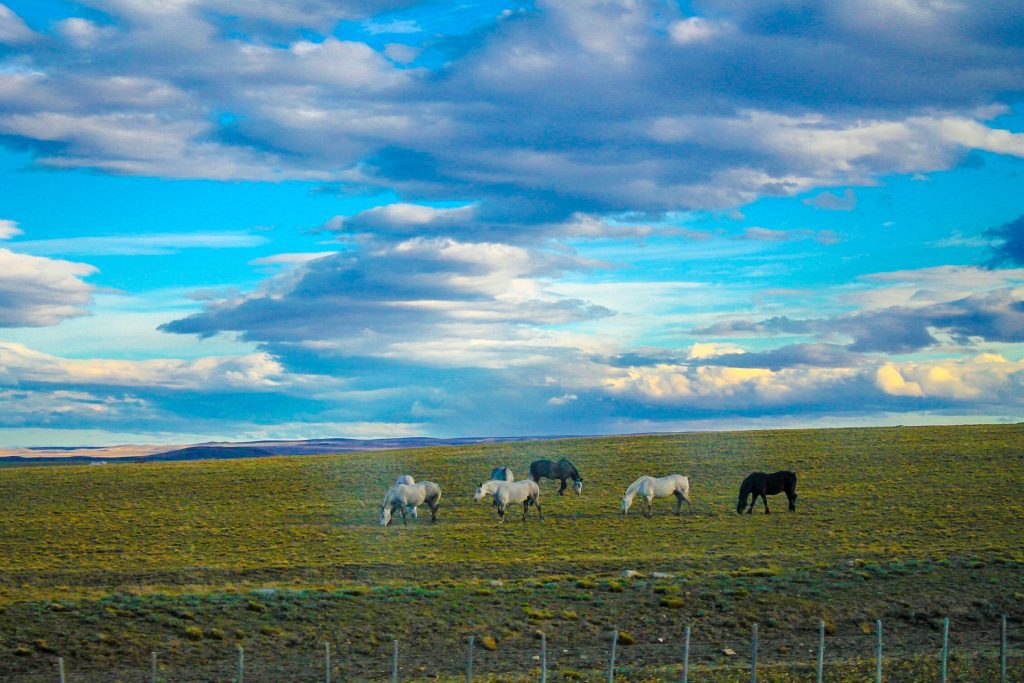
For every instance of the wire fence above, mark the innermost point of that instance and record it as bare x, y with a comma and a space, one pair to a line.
873, 654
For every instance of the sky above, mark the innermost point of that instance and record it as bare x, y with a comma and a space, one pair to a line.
241, 220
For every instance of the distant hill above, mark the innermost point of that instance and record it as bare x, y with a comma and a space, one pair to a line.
88, 455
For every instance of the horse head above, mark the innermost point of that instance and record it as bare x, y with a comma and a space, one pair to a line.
480, 493
742, 502
385, 515
577, 486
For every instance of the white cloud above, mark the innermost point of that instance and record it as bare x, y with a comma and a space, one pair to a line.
701, 351
83, 33
724, 388
13, 29
252, 372
695, 30
986, 376
403, 217
8, 229
37, 291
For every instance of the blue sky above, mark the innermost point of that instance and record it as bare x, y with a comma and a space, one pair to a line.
308, 218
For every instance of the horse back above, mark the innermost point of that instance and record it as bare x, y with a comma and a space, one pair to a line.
540, 468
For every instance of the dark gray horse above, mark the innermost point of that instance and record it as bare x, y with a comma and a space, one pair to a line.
563, 470
763, 485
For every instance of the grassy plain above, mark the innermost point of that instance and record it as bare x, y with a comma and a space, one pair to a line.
104, 564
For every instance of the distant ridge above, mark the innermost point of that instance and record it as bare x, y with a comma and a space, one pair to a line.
228, 450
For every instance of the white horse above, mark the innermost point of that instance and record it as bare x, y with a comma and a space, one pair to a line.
526, 492
650, 488
406, 479
502, 473
401, 497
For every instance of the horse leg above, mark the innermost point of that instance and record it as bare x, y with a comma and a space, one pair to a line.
753, 501
792, 501
650, 508
689, 505
679, 503
433, 511
764, 499
526, 508
405, 522
539, 513
561, 491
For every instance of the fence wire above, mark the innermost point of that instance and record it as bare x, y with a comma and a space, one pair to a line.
910, 655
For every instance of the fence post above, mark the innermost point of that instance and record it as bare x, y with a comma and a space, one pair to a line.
394, 661
469, 661
821, 650
1002, 649
60, 668
945, 646
611, 662
544, 657
878, 652
753, 656
152, 667
241, 664
686, 655
327, 662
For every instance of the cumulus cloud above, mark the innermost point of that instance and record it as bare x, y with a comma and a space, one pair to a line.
576, 109
987, 375
68, 409
402, 218
254, 372
446, 295
13, 29
911, 310
986, 379
719, 388
37, 291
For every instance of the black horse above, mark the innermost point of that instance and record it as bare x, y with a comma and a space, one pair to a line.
562, 470
763, 485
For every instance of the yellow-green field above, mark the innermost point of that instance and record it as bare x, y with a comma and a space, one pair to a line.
104, 564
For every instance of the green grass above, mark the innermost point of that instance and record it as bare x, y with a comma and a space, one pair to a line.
900, 522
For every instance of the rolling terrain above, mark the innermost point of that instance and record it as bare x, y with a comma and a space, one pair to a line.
104, 564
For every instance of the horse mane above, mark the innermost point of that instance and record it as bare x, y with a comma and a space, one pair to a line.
573, 472
634, 487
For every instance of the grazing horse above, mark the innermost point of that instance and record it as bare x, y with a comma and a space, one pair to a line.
562, 470
505, 493
761, 484
502, 473
650, 488
401, 497
406, 479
